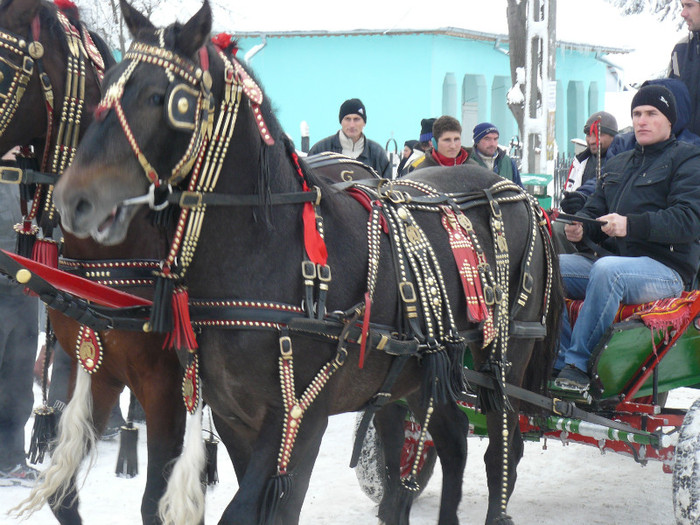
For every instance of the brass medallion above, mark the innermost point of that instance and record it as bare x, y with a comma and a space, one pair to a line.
413, 234
36, 50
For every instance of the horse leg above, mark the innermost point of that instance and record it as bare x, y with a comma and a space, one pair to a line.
493, 458
449, 427
165, 428
389, 422
237, 439
247, 504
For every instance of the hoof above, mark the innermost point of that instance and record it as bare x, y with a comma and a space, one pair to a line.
503, 519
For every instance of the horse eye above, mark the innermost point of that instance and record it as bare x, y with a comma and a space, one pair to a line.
156, 99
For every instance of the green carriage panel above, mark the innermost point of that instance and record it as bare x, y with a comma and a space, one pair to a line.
626, 346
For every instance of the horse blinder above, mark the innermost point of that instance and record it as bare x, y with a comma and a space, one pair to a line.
181, 106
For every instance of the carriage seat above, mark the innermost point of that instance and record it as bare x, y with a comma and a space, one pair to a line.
658, 315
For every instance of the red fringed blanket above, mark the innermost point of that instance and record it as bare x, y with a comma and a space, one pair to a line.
657, 315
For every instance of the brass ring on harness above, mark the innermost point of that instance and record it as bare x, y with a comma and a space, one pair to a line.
318, 195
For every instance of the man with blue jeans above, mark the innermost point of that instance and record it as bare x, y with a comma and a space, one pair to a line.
648, 203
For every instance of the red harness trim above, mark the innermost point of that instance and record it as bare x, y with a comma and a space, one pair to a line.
313, 242
80, 287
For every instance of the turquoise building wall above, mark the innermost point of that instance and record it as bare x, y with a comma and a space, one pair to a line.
403, 78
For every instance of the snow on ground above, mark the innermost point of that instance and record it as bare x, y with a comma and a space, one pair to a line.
572, 485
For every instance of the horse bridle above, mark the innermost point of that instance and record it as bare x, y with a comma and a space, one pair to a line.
14, 77
189, 104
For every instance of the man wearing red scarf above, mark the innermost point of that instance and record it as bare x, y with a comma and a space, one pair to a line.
447, 147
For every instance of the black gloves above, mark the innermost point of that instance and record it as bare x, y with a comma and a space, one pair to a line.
573, 201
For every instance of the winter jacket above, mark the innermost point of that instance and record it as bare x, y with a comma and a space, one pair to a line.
657, 188
503, 165
373, 155
583, 169
428, 160
685, 64
626, 141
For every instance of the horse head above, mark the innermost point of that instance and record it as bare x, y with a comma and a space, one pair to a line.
149, 129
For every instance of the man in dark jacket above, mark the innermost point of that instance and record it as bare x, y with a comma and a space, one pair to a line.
648, 200
447, 147
685, 60
486, 153
574, 200
18, 345
352, 142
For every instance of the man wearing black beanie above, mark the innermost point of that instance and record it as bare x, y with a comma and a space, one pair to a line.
647, 204
352, 142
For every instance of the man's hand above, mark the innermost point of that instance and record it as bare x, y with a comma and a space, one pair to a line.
572, 202
574, 232
616, 225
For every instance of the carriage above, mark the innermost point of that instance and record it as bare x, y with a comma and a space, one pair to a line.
634, 367
250, 329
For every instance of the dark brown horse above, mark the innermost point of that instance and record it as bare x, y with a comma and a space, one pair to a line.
174, 113
133, 359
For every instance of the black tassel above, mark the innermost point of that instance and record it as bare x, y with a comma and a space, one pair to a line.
25, 241
43, 434
27, 162
455, 349
436, 377
492, 399
212, 475
276, 494
503, 519
407, 493
167, 217
127, 460
162, 309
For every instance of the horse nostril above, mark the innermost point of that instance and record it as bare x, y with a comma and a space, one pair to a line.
84, 207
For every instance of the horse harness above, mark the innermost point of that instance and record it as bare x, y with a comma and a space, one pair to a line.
61, 143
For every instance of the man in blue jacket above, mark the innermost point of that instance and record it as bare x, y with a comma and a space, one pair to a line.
648, 200
685, 60
489, 155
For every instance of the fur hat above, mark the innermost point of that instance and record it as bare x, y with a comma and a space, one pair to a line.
483, 129
608, 123
353, 106
426, 129
659, 97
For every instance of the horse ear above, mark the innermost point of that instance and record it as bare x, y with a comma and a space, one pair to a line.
195, 33
19, 14
135, 21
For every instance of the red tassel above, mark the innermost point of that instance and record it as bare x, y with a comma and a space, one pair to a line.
45, 251
182, 336
365, 329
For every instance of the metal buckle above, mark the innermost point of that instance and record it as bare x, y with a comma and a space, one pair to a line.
286, 347
10, 175
527, 282
308, 270
407, 291
324, 273
190, 199
495, 208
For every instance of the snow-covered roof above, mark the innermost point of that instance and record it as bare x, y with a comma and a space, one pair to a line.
448, 31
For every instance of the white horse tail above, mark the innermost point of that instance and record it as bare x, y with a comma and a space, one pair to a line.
76, 438
183, 501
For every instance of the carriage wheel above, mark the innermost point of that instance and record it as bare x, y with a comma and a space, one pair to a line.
686, 469
371, 467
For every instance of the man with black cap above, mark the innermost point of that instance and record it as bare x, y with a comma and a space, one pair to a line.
490, 155
352, 142
648, 203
